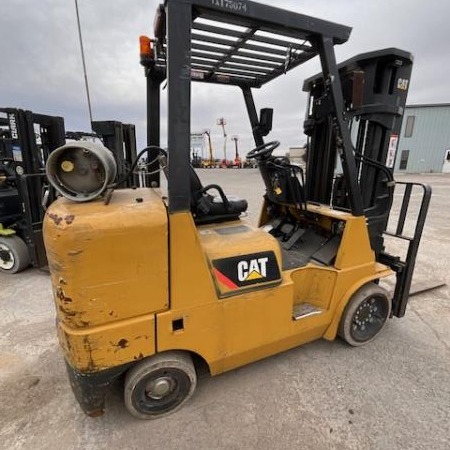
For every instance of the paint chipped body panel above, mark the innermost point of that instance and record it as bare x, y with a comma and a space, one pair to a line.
100, 256
231, 301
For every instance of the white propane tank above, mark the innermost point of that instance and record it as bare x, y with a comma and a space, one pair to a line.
81, 171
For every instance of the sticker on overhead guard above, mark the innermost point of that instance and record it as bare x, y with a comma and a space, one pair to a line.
392, 150
17, 153
233, 5
197, 74
223, 78
402, 84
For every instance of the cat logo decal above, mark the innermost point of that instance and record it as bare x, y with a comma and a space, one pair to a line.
254, 269
241, 271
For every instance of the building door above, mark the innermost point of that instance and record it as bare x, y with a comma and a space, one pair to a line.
446, 165
404, 160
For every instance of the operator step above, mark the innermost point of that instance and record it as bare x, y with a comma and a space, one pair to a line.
303, 310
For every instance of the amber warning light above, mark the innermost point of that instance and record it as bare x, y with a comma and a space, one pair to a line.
146, 50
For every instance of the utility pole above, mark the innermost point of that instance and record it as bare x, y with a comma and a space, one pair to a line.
222, 121
84, 63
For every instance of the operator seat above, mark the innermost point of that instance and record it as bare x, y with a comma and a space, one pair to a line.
207, 208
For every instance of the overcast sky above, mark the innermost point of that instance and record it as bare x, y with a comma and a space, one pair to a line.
40, 67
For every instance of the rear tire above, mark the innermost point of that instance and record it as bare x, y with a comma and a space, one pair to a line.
14, 255
159, 385
365, 315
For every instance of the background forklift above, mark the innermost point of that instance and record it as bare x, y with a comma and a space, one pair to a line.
26, 140
119, 138
154, 287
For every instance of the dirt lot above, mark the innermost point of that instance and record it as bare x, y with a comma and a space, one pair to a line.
392, 394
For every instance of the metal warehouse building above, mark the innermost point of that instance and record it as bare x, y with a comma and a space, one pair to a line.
424, 144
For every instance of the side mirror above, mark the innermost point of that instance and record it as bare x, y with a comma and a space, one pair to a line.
265, 121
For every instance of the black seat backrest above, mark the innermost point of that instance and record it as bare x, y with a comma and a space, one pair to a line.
196, 186
207, 208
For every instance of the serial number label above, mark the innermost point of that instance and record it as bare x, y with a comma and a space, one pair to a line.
232, 5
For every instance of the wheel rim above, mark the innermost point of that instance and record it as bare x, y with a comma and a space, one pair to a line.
369, 318
161, 391
6, 258
160, 387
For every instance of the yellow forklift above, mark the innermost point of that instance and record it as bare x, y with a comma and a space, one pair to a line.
150, 289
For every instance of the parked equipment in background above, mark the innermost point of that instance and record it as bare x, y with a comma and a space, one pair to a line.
149, 288
210, 163
196, 159
120, 138
26, 140
83, 169
222, 122
237, 160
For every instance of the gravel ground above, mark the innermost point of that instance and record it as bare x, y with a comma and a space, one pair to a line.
391, 394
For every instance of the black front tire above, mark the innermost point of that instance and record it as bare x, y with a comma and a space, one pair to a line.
14, 255
159, 385
365, 315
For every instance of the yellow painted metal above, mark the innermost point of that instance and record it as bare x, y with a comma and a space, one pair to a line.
96, 348
191, 282
314, 284
110, 268
355, 247
230, 332
109, 264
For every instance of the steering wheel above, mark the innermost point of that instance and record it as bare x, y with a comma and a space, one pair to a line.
263, 150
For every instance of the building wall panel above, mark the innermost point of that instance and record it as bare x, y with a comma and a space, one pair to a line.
430, 138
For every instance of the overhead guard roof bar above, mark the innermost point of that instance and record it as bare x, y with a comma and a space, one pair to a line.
265, 41
220, 66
